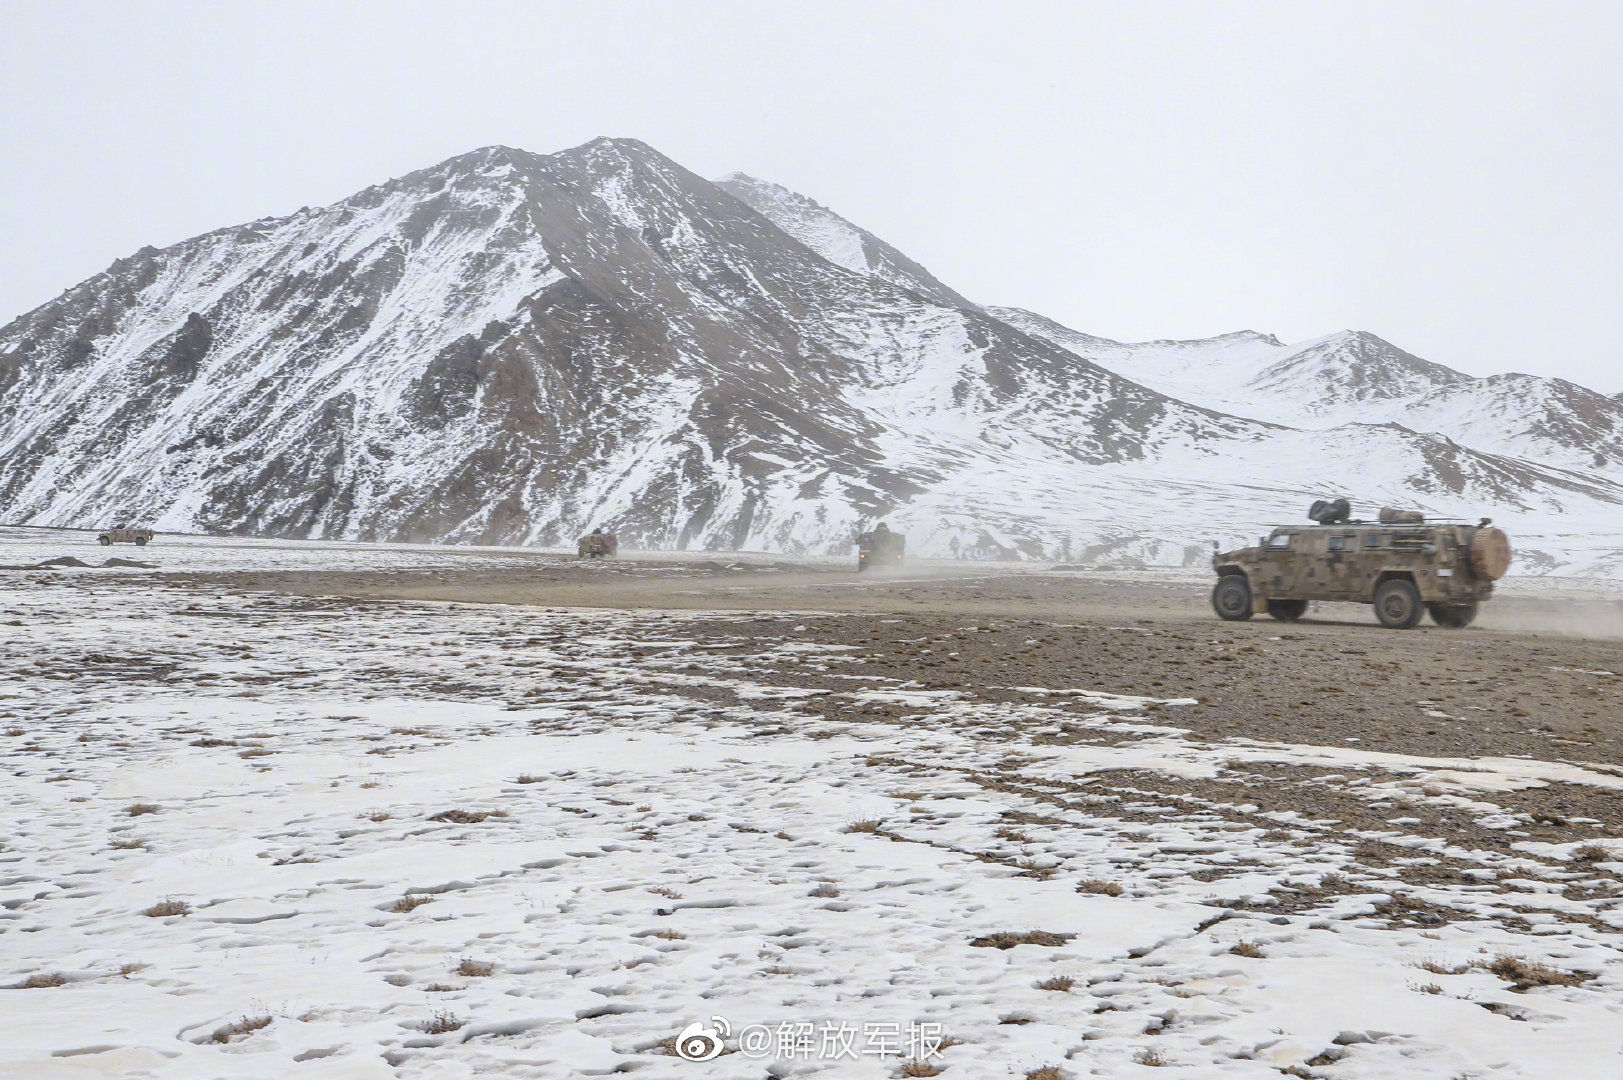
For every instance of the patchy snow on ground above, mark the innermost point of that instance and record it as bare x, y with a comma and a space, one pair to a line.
250, 835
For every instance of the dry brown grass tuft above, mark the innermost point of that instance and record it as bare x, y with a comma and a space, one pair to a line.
666, 891
122, 843
409, 903
668, 935
526, 778
825, 890
1590, 853
130, 968
1045, 1072
137, 809
1006, 939
466, 817
919, 1068
1150, 1056
1062, 983
43, 980
866, 825
474, 969
1524, 974
245, 1026
1426, 988
378, 815
1428, 964
440, 1023
1097, 887
1247, 949
168, 907
1031, 868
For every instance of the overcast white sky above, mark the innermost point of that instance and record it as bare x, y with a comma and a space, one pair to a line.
1448, 175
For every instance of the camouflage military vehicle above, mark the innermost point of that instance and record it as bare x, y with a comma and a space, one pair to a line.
123, 534
880, 547
597, 545
1401, 564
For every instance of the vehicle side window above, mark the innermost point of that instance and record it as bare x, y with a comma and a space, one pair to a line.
1283, 540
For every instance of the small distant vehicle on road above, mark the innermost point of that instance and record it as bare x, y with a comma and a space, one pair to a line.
597, 545
124, 534
1402, 564
879, 547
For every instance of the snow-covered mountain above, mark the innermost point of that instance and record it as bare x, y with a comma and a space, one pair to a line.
836, 239
1549, 420
1347, 377
514, 347
511, 346
1356, 377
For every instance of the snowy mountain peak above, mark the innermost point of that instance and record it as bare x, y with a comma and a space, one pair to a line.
512, 346
1228, 340
1046, 329
515, 347
835, 238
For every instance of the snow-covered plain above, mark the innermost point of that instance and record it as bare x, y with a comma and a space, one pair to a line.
441, 840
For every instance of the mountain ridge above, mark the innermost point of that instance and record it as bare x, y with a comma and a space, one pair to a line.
513, 347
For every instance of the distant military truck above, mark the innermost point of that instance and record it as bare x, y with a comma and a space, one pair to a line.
1401, 564
124, 534
597, 545
880, 547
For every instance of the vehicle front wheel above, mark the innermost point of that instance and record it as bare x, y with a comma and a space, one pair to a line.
1453, 616
105, 541
1231, 598
1397, 604
1287, 610
140, 541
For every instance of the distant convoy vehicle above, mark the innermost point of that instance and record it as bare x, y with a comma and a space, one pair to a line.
1402, 564
597, 545
124, 534
879, 547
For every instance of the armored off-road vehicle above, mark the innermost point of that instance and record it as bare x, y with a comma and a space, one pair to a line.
1402, 564
597, 545
124, 534
880, 548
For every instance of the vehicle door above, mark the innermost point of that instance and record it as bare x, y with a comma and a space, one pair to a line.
1281, 565
1341, 565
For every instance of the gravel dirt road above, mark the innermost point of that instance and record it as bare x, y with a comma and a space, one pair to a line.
1540, 674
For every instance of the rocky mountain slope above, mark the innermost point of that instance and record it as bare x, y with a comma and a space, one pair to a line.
836, 239
515, 347
1354, 376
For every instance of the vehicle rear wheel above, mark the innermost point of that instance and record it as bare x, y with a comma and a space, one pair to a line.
1397, 604
140, 541
1287, 610
1231, 598
1453, 616
105, 541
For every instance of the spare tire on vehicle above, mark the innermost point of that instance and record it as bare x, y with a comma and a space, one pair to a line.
1489, 554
